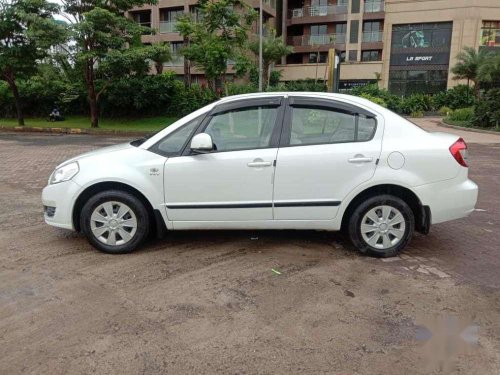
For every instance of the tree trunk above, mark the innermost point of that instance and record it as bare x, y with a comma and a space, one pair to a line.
265, 76
187, 68
91, 93
159, 67
477, 89
11, 81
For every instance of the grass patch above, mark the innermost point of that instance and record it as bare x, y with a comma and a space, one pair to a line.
467, 124
119, 124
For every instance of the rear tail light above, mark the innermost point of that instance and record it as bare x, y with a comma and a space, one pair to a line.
459, 152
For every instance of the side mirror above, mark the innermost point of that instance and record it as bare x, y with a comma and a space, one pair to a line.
202, 143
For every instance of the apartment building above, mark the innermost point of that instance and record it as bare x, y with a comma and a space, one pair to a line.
405, 45
162, 18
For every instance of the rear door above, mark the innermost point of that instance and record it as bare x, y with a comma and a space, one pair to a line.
327, 148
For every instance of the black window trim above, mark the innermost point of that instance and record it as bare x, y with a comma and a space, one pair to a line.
325, 104
273, 101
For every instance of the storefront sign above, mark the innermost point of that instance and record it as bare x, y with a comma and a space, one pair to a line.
422, 58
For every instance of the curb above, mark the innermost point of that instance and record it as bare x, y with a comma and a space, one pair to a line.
34, 129
475, 130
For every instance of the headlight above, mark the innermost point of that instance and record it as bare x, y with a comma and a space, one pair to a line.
64, 173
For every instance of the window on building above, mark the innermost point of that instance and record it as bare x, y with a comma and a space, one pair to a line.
372, 31
177, 58
355, 6
353, 55
143, 18
319, 29
371, 55
341, 28
372, 6
314, 57
490, 34
354, 36
168, 18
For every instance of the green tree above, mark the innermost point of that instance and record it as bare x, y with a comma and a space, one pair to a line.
220, 35
27, 31
102, 33
273, 49
159, 54
467, 67
489, 71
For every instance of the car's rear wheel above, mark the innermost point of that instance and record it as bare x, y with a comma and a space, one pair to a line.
381, 226
115, 221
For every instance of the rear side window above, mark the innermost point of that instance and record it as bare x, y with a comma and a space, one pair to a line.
310, 125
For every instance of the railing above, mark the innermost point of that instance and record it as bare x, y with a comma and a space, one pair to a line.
316, 40
318, 10
167, 27
372, 36
177, 60
271, 3
374, 6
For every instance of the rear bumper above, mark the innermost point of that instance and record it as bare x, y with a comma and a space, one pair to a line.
448, 200
60, 199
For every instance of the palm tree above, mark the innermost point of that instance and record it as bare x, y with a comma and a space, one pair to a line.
468, 64
160, 53
489, 71
273, 49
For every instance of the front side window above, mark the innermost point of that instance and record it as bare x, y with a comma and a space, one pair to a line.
243, 129
174, 142
321, 126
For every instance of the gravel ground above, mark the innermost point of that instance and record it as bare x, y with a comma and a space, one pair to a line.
208, 302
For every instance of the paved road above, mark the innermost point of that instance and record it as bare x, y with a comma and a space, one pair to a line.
207, 302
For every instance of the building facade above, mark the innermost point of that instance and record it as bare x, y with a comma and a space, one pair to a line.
405, 45
162, 18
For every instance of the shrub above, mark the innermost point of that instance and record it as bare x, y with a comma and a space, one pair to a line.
462, 114
392, 102
374, 99
415, 103
487, 110
417, 114
445, 111
460, 96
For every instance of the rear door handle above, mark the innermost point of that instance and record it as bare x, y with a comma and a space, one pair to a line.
259, 164
360, 159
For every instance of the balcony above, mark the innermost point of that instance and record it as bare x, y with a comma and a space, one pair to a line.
372, 36
271, 3
177, 60
310, 43
374, 6
317, 11
167, 27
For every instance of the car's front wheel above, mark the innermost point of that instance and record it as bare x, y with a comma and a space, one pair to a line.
381, 226
115, 221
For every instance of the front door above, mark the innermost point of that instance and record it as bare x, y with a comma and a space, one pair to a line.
235, 181
327, 149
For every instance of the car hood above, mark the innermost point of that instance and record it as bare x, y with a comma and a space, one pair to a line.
99, 151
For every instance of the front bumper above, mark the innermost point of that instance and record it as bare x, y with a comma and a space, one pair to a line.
449, 200
60, 198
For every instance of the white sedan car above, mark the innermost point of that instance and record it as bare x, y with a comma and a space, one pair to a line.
269, 161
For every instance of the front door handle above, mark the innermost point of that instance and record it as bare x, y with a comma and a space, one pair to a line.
360, 159
259, 164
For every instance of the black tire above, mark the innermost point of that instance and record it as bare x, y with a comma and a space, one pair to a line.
138, 208
355, 221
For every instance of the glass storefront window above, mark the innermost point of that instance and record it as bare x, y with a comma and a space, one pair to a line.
421, 35
371, 55
490, 34
408, 82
